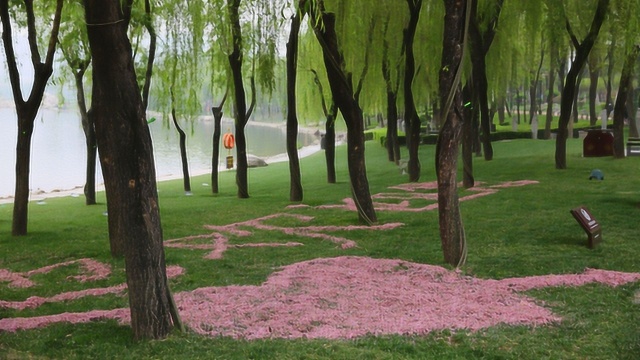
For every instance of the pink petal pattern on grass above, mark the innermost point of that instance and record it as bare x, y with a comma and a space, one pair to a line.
401, 201
36, 301
15, 324
92, 270
348, 297
220, 242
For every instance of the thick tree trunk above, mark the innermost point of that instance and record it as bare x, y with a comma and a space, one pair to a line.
235, 62
126, 156
566, 105
23, 161
295, 189
343, 97
410, 113
626, 80
451, 228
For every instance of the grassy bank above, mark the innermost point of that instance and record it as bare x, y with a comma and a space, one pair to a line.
516, 232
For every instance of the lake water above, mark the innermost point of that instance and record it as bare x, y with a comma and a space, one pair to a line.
58, 151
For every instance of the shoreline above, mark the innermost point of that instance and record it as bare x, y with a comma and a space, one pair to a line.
39, 196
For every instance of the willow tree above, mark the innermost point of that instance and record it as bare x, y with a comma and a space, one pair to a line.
391, 75
126, 156
582, 49
324, 27
624, 17
556, 45
452, 233
259, 45
27, 109
482, 31
74, 46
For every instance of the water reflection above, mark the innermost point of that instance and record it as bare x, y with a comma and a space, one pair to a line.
58, 150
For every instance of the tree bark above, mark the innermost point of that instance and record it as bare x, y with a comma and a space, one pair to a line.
632, 110
26, 110
330, 131
295, 188
126, 156
215, 153
451, 228
594, 76
392, 145
90, 137
469, 134
343, 96
186, 179
330, 143
566, 105
550, 92
410, 113
626, 85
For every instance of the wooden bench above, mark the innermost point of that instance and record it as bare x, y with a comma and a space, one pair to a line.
633, 146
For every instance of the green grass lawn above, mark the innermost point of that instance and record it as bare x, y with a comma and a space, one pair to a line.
516, 232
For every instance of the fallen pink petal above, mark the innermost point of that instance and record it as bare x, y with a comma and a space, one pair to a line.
348, 297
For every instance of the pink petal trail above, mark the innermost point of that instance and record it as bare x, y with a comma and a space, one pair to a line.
220, 242
401, 201
347, 297
91, 271
334, 298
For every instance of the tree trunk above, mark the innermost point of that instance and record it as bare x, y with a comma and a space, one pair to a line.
632, 110
550, 93
610, 70
89, 135
410, 113
594, 76
582, 52
126, 156
295, 189
342, 91
215, 153
468, 136
186, 179
26, 111
480, 42
392, 145
533, 88
626, 80
330, 131
330, 144
451, 228
235, 62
